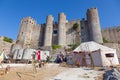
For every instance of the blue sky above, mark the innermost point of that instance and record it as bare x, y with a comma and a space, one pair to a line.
12, 11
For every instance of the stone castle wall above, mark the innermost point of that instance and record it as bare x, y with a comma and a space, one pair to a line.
62, 33
72, 35
45, 35
5, 45
85, 34
112, 34
35, 37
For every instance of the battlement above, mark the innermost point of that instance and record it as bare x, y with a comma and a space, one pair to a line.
112, 27
28, 20
75, 20
49, 20
50, 15
93, 8
61, 17
62, 13
112, 34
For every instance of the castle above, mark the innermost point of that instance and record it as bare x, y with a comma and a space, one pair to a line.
62, 33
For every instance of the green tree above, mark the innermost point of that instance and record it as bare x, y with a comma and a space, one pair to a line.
75, 26
6, 39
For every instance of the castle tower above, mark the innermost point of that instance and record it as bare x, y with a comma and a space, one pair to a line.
25, 32
62, 29
48, 31
94, 25
84, 31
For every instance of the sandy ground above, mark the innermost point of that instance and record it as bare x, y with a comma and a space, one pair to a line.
49, 72
78, 74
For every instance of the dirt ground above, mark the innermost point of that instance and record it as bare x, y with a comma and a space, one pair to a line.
26, 73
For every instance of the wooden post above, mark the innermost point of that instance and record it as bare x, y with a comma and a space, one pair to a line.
89, 57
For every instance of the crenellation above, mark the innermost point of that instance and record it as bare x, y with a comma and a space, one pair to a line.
29, 20
112, 34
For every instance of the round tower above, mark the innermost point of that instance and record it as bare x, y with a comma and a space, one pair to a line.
48, 31
62, 29
94, 25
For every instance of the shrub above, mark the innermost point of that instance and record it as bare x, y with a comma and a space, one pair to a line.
73, 46
104, 40
8, 39
75, 26
56, 46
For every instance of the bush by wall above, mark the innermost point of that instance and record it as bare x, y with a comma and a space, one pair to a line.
6, 39
105, 40
75, 26
56, 46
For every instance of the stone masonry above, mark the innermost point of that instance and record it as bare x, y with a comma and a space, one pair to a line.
94, 25
48, 31
5, 45
62, 29
112, 34
33, 35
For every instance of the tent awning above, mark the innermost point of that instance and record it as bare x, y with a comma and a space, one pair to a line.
91, 46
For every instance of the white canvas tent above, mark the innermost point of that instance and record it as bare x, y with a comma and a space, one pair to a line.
99, 53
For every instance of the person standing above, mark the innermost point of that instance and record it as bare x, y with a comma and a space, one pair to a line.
38, 55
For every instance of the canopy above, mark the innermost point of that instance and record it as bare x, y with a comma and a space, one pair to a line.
101, 55
91, 46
